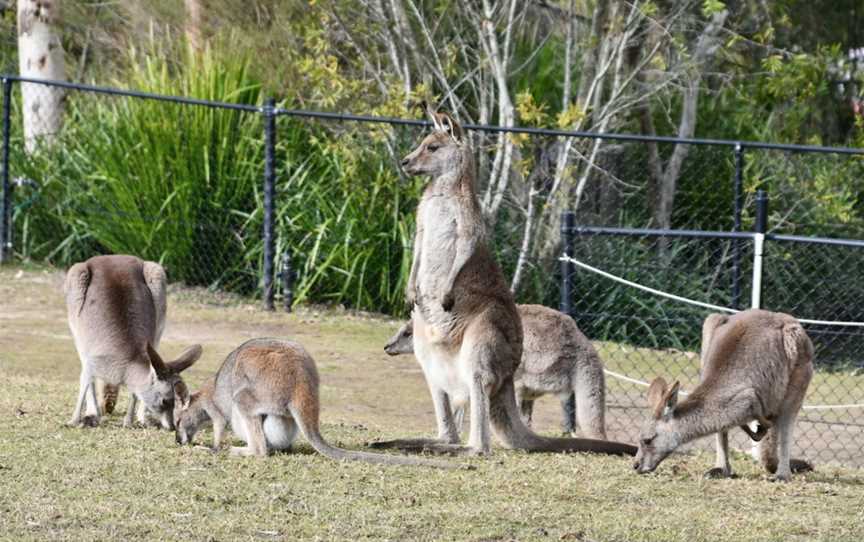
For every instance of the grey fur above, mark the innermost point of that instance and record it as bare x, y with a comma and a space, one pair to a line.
467, 331
265, 390
116, 309
557, 359
756, 365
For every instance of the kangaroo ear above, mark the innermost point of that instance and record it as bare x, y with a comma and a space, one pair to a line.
657, 396
671, 398
162, 372
181, 394
436, 122
186, 359
451, 127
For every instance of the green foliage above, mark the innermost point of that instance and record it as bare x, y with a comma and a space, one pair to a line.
349, 227
157, 180
710, 7
181, 185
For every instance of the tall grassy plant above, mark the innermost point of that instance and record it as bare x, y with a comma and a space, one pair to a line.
159, 180
346, 219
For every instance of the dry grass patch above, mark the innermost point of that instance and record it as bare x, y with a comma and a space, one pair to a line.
61, 483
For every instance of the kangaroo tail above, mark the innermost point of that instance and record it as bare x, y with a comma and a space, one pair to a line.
508, 426
313, 435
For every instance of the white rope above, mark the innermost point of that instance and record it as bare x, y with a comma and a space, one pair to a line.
692, 301
625, 378
645, 288
708, 306
638, 382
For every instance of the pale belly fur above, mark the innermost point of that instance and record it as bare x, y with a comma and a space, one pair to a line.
279, 431
441, 363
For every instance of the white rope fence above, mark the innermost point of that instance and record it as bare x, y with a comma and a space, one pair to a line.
674, 297
638, 382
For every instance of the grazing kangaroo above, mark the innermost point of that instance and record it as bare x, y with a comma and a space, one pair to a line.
556, 359
266, 389
116, 310
467, 331
756, 365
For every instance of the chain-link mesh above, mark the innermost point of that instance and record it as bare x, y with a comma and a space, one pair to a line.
641, 334
168, 182
181, 184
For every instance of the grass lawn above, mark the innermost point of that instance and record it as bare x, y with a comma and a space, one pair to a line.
137, 484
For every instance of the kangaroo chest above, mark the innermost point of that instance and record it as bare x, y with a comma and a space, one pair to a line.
438, 216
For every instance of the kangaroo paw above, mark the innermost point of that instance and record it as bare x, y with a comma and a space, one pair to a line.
718, 473
448, 301
800, 465
781, 478
759, 434
90, 421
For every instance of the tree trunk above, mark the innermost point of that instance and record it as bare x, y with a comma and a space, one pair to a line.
40, 56
705, 49
193, 25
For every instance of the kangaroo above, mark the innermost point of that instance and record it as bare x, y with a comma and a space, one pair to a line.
556, 358
116, 310
266, 389
467, 331
756, 365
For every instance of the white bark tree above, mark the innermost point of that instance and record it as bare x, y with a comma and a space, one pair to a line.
619, 56
193, 24
40, 54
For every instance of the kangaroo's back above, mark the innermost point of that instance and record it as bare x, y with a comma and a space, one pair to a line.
115, 305
757, 349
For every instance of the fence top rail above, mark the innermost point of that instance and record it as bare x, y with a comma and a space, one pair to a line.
815, 240
637, 232
134, 94
424, 123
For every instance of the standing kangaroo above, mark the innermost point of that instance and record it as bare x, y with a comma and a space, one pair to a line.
756, 365
467, 331
556, 359
116, 310
264, 390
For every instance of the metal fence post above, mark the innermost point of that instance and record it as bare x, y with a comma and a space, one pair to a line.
287, 280
758, 247
6, 209
269, 190
568, 221
736, 226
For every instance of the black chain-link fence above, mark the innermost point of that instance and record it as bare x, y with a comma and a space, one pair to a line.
643, 294
244, 197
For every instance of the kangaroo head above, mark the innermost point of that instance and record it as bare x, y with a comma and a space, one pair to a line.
659, 436
402, 342
189, 414
158, 395
439, 152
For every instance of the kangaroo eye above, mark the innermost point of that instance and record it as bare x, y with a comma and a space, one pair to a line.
647, 441
433, 148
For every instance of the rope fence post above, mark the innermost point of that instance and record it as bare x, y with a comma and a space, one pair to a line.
6, 209
568, 221
758, 247
269, 191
